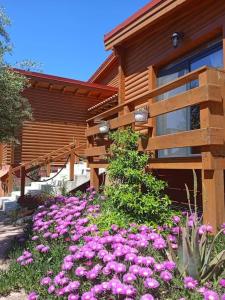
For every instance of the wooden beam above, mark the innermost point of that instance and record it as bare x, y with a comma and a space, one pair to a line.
48, 169
10, 181
182, 163
94, 178
191, 97
72, 162
22, 181
193, 138
212, 176
99, 165
213, 198
95, 151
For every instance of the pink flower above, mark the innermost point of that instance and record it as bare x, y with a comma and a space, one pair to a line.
45, 281
166, 276
222, 282
211, 295
51, 289
151, 283
33, 296
190, 283
129, 277
147, 297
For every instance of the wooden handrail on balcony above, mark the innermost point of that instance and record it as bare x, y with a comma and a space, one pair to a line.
153, 93
44, 160
209, 91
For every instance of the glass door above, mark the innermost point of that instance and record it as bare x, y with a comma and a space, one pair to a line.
186, 118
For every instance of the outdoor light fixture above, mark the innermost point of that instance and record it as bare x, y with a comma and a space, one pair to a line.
141, 115
176, 38
103, 127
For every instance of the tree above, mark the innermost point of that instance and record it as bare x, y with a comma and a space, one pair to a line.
14, 108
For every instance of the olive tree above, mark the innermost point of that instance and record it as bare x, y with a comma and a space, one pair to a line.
14, 108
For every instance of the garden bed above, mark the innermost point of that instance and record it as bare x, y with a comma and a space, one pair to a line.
66, 256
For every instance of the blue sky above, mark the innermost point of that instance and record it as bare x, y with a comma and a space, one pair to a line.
66, 36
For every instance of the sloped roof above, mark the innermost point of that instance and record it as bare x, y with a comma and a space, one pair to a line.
132, 18
108, 62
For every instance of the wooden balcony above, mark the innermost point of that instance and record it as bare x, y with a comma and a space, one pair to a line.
209, 138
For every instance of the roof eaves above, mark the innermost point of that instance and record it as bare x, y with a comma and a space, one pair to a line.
110, 60
66, 81
132, 18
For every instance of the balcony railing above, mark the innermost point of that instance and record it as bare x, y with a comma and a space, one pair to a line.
208, 95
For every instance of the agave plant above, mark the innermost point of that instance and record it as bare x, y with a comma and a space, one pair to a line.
195, 255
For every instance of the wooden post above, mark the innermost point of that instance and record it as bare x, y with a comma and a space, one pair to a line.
22, 181
1, 155
213, 197
72, 162
212, 115
94, 178
120, 53
48, 169
10, 182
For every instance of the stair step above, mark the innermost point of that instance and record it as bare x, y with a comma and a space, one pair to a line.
6, 198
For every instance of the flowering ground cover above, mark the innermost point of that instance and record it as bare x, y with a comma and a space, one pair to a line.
67, 257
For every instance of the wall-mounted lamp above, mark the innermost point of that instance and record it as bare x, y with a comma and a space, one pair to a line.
177, 38
141, 115
103, 127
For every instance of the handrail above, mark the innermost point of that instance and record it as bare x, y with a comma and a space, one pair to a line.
43, 157
43, 160
153, 93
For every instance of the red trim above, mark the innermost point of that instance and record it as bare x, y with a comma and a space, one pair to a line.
64, 80
132, 18
107, 63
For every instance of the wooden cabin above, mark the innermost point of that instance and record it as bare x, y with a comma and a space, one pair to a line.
60, 110
170, 59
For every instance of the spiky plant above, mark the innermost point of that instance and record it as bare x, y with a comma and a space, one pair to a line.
196, 255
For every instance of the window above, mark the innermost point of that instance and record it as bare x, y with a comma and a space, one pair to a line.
184, 119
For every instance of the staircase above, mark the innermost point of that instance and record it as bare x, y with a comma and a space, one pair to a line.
70, 176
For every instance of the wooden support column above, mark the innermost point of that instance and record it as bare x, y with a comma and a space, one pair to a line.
72, 162
120, 53
10, 182
213, 197
152, 84
48, 169
212, 115
22, 180
94, 178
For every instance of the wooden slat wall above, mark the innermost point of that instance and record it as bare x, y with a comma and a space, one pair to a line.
152, 46
40, 138
59, 119
109, 77
6, 154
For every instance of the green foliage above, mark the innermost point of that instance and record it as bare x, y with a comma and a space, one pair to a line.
198, 254
109, 215
14, 108
30, 65
137, 194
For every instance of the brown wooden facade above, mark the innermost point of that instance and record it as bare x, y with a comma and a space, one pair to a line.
60, 109
142, 45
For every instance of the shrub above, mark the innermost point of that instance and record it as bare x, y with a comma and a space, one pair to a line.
136, 193
33, 201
